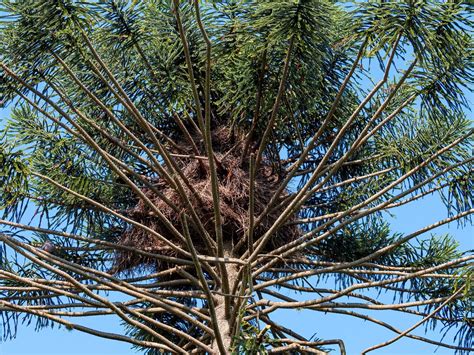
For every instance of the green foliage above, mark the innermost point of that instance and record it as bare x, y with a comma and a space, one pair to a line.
70, 60
251, 340
13, 179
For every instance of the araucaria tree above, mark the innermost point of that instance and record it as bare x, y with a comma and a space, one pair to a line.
186, 166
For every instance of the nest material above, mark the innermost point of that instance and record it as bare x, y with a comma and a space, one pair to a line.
234, 182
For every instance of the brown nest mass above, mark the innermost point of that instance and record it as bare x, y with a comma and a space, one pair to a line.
234, 182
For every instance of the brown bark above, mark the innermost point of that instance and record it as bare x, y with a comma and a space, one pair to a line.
223, 319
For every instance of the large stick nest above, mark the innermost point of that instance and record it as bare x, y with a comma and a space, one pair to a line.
234, 183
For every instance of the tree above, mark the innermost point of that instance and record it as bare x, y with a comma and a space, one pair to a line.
183, 165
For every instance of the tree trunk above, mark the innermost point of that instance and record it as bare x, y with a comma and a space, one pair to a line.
223, 320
